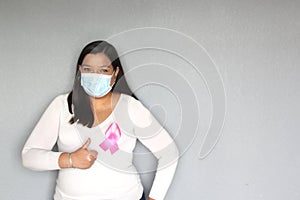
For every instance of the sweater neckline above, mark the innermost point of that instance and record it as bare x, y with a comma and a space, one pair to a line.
110, 115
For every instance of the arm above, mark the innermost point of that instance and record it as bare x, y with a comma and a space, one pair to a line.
151, 134
165, 150
37, 153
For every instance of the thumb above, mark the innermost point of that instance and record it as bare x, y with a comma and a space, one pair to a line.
87, 143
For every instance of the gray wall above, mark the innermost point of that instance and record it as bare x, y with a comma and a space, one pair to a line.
254, 45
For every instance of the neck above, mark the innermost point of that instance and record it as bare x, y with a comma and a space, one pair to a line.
103, 102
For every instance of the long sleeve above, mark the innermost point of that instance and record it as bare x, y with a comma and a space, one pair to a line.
151, 134
37, 153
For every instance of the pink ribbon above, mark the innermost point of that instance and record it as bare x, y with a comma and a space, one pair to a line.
112, 135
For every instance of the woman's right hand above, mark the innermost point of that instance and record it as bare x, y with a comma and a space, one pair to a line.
83, 158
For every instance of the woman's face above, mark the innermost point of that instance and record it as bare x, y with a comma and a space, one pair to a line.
99, 63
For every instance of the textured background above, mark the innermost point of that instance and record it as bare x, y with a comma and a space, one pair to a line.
254, 44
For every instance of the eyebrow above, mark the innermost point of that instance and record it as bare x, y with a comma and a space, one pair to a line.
103, 66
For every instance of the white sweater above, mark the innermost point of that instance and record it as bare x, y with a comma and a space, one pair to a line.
112, 176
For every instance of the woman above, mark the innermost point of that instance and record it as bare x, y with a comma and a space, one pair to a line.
94, 166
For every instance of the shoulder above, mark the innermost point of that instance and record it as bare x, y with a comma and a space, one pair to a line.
59, 101
61, 98
134, 104
137, 111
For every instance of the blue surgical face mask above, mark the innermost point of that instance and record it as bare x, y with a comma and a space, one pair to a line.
96, 85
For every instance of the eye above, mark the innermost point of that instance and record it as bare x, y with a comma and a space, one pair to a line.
86, 69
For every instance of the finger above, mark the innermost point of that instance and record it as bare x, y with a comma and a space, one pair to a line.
87, 143
89, 158
93, 153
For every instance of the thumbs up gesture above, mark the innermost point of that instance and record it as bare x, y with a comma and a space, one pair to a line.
83, 158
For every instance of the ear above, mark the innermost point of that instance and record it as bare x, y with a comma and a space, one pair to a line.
117, 71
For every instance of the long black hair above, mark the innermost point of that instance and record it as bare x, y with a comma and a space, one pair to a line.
78, 98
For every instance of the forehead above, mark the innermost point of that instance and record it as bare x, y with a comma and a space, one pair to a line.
98, 59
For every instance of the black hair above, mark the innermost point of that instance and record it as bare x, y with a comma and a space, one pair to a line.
78, 97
